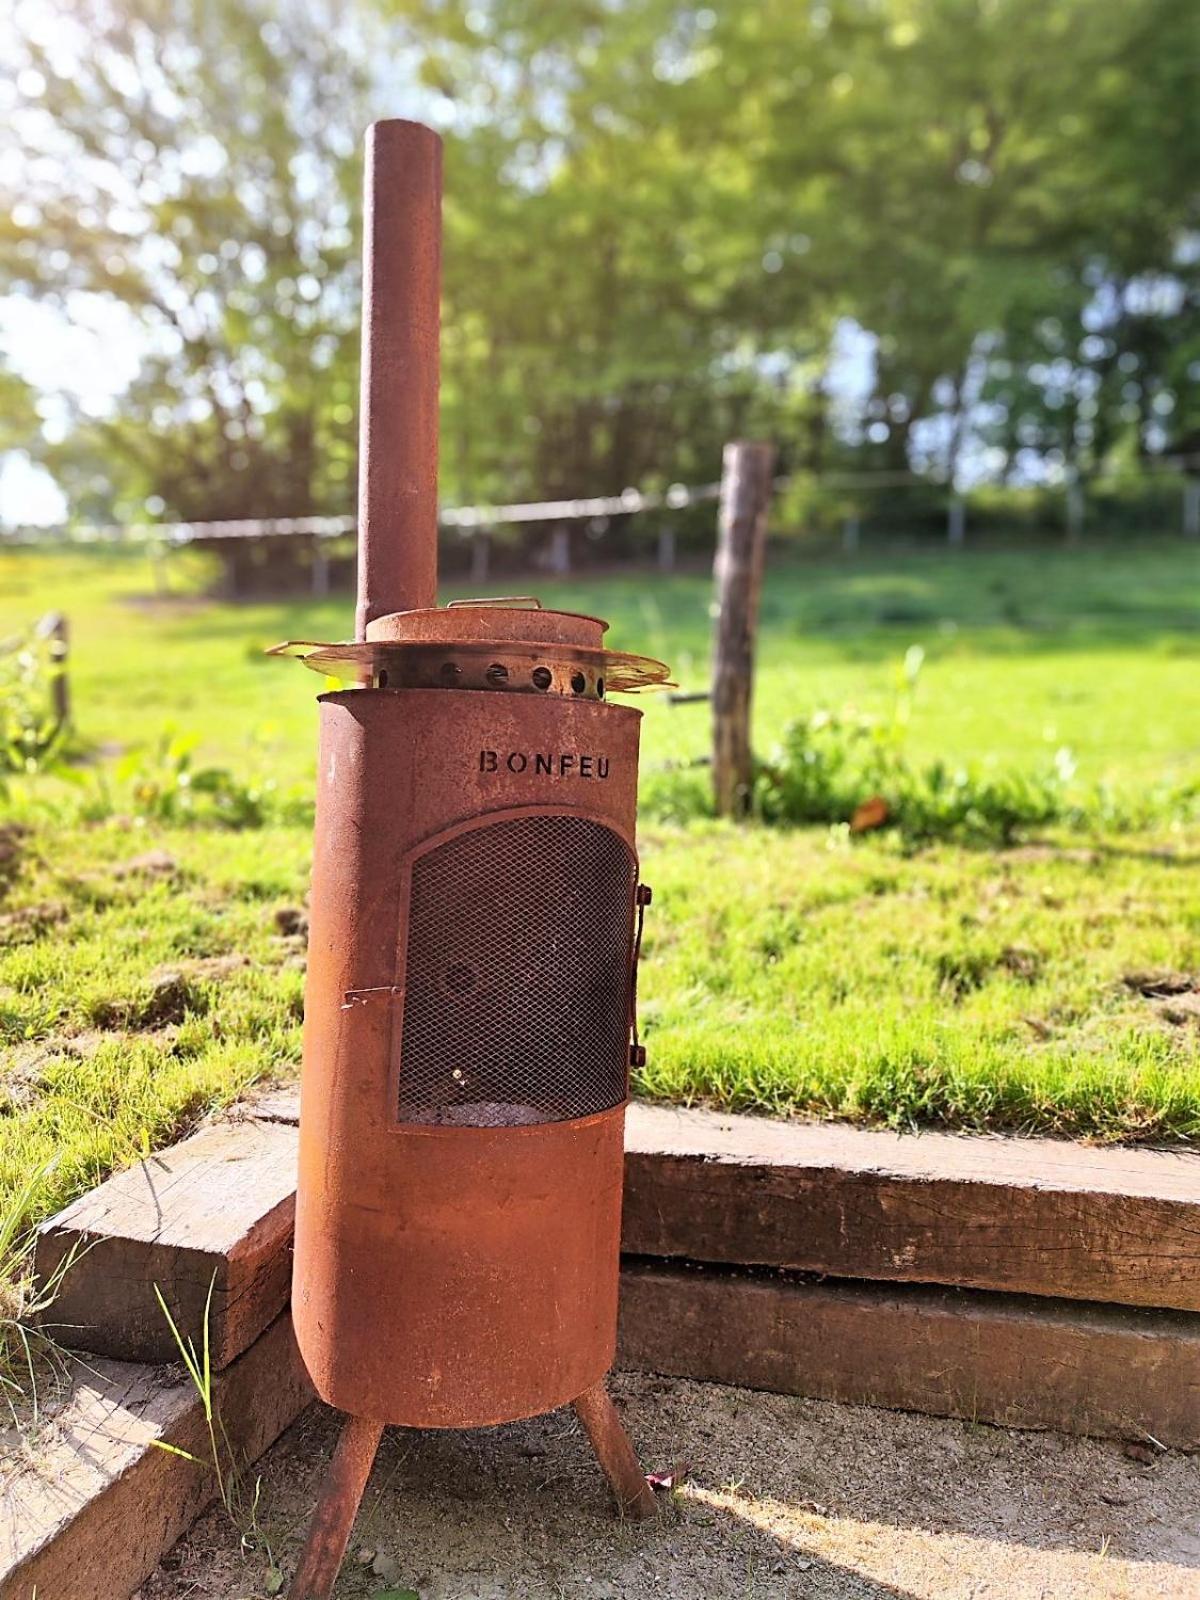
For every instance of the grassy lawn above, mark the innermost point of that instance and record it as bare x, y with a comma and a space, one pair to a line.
1026, 651
147, 972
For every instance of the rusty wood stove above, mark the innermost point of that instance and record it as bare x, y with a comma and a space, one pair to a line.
469, 1014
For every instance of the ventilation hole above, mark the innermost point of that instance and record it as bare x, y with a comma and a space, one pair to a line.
542, 678
600, 687
578, 682
382, 680
497, 674
451, 673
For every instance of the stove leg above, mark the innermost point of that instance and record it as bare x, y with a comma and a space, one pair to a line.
635, 1497
333, 1520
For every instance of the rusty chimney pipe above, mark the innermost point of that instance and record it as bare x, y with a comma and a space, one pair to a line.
398, 406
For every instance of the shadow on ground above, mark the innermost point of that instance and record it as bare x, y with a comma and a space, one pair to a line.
790, 1498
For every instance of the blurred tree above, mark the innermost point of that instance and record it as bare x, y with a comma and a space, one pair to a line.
657, 216
658, 212
1098, 355
18, 411
964, 171
602, 245
197, 160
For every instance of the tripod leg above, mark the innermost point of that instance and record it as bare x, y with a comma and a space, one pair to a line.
332, 1523
635, 1497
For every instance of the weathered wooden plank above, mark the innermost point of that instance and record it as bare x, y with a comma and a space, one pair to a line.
1010, 1360
1031, 1216
1015, 1215
91, 1508
216, 1210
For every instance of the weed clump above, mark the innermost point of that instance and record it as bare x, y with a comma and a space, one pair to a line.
851, 769
32, 737
847, 768
165, 784
11, 839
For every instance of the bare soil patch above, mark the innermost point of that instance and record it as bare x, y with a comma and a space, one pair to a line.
1174, 996
795, 1499
12, 836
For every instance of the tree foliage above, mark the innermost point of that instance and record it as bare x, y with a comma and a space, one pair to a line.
661, 219
197, 161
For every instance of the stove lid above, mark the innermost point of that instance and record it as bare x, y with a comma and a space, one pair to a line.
508, 642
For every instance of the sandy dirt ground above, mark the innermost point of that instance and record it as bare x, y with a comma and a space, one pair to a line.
784, 1497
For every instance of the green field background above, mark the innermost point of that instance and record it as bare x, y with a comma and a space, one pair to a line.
1026, 650
147, 972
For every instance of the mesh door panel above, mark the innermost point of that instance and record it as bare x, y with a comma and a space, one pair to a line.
517, 975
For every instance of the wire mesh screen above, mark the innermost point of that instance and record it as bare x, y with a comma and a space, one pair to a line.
517, 975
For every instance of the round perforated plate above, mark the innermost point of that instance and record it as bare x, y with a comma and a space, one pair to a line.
397, 665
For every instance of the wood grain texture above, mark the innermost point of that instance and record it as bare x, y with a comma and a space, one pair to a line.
217, 1209
737, 572
88, 1511
1009, 1360
1030, 1216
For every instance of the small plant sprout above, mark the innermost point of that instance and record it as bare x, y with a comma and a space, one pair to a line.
222, 1462
24, 1342
199, 1370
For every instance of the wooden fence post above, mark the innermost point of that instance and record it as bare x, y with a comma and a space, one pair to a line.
1191, 509
158, 566
741, 541
559, 556
1075, 507
956, 521
320, 570
481, 550
56, 629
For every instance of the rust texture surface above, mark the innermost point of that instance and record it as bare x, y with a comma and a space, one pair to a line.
469, 1009
341, 1496
632, 1492
398, 433
448, 1275
489, 622
516, 974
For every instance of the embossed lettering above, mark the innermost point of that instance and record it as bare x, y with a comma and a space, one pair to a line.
544, 763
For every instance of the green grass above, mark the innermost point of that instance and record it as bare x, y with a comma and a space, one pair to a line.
1027, 650
986, 989
796, 972
131, 998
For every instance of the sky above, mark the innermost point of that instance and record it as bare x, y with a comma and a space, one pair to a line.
91, 353
90, 356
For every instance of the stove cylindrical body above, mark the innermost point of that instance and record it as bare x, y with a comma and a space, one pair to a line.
466, 1050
